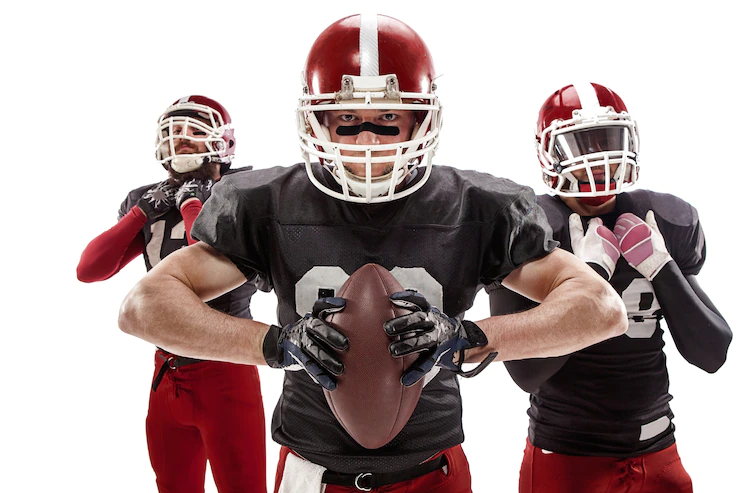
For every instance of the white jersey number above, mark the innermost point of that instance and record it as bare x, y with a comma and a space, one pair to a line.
642, 305
324, 281
154, 247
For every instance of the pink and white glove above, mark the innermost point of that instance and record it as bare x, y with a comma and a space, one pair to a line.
641, 243
598, 246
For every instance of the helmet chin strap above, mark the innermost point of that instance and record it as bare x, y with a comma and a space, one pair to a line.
584, 186
186, 163
595, 201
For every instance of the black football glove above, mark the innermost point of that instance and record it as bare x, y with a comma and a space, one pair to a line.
199, 189
309, 344
436, 336
158, 200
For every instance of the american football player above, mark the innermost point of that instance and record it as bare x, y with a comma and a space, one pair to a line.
600, 418
199, 410
368, 125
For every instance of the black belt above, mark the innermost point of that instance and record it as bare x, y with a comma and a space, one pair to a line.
171, 362
366, 481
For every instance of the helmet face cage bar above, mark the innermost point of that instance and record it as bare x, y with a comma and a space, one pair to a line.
409, 155
562, 151
179, 121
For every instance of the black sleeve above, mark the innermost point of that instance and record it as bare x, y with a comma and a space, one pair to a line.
701, 334
528, 374
519, 233
229, 224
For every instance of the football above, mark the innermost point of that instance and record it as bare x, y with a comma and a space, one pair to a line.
370, 402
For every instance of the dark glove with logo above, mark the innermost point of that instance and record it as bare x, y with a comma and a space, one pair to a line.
309, 344
158, 200
199, 189
440, 339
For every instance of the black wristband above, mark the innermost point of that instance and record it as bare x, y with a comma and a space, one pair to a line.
474, 334
476, 338
270, 348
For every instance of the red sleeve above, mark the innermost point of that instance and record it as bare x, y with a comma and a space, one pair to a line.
112, 250
189, 211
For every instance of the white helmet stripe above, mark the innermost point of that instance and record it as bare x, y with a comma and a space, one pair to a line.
184, 100
587, 95
369, 59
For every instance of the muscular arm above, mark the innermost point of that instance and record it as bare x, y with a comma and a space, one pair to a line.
109, 252
577, 309
701, 335
167, 308
528, 374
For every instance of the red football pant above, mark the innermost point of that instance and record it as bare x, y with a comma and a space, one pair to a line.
207, 410
456, 480
657, 472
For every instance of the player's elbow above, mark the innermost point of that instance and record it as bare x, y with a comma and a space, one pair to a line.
83, 275
710, 363
711, 366
131, 316
713, 357
86, 273
611, 312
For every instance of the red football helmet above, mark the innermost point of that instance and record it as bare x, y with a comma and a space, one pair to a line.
199, 119
587, 143
369, 62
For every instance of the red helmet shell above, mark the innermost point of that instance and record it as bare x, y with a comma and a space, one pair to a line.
400, 51
561, 104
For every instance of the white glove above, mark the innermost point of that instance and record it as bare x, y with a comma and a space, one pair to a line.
598, 246
641, 243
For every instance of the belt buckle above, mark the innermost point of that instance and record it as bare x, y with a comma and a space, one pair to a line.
169, 363
361, 477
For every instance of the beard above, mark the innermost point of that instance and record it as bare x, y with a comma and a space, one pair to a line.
209, 171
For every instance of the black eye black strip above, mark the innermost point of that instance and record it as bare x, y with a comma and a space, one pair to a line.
369, 127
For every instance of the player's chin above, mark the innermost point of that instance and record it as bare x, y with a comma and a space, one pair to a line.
177, 179
378, 169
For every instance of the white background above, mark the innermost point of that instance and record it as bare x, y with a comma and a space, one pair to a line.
83, 84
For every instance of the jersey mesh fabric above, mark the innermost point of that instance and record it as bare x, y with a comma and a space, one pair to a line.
603, 400
166, 234
462, 228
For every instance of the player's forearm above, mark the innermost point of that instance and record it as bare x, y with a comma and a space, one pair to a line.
189, 211
110, 251
579, 312
164, 311
701, 335
528, 374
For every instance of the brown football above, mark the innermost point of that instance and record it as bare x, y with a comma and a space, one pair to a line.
370, 402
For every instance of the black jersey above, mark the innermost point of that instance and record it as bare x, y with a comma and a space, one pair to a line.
460, 229
611, 399
166, 234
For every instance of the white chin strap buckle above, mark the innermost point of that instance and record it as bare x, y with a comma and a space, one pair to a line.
186, 164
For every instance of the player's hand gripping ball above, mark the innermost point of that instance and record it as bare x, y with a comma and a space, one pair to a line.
309, 344
370, 402
437, 339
